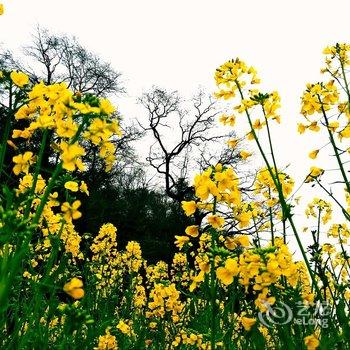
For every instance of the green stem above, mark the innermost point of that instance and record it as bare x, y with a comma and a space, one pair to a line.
213, 286
270, 144
285, 208
36, 173
331, 137
330, 194
345, 81
318, 227
6, 130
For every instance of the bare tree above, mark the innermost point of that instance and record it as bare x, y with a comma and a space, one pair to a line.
185, 136
59, 58
55, 58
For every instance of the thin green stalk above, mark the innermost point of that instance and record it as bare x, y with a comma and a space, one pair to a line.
316, 238
36, 173
346, 257
213, 287
270, 144
331, 137
345, 213
271, 223
318, 226
345, 81
6, 130
257, 234
285, 208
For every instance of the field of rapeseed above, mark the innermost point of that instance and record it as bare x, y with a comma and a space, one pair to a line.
234, 282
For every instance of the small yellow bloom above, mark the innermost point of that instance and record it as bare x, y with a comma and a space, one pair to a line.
314, 174
313, 154
106, 107
228, 120
72, 186
196, 280
333, 126
74, 288
345, 133
244, 219
314, 127
216, 221
327, 50
242, 240
181, 241
232, 143
66, 128
153, 325
189, 207
83, 188
257, 125
248, 323
226, 274
20, 79
124, 328
311, 342
301, 128
230, 243
22, 162
107, 341
71, 211
250, 136
245, 154
70, 156
1, 9
192, 231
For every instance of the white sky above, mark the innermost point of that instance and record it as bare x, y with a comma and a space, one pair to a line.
178, 45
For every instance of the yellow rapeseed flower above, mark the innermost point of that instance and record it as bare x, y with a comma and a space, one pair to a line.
313, 154
192, 231
124, 327
216, 221
248, 322
71, 186
70, 212
84, 188
315, 173
311, 342
74, 288
22, 162
226, 274
107, 342
20, 79
245, 154
189, 207
181, 241
71, 156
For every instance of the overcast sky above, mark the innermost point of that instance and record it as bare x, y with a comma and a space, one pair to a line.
178, 45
